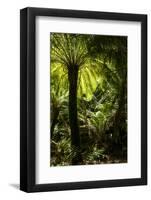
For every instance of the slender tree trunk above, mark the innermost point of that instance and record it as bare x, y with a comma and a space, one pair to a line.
73, 118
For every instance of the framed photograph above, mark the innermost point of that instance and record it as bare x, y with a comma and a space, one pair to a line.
83, 99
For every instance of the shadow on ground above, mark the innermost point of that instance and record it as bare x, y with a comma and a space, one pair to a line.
14, 185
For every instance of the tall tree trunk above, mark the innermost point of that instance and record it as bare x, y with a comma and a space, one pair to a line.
73, 118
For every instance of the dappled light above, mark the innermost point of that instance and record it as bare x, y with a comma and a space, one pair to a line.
88, 106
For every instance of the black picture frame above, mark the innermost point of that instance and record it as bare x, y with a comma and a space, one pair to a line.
28, 98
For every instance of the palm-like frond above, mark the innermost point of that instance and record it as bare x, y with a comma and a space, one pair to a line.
69, 51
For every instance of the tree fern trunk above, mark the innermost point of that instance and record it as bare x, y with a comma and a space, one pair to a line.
73, 117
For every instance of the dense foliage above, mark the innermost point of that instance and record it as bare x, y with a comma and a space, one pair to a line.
88, 99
